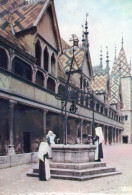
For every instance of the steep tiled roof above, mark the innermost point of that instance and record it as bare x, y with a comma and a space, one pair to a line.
121, 66
24, 17
66, 59
99, 84
7, 7
16, 16
115, 89
64, 45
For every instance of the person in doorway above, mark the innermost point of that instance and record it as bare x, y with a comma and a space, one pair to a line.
44, 169
51, 139
98, 139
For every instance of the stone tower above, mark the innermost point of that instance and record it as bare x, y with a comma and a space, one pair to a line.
122, 69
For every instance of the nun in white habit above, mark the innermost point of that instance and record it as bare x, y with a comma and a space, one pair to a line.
44, 169
51, 139
98, 139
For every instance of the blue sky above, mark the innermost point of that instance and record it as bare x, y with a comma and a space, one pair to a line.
107, 20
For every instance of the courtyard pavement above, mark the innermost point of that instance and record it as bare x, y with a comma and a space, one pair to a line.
13, 181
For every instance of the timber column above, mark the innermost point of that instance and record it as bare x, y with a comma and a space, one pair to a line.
44, 121
11, 149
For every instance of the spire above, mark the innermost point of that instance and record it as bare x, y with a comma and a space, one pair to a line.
115, 51
122, 41
86, 44
83, 39
107, 59
101, 58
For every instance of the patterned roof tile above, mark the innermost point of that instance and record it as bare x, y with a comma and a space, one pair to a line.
115, 89
24, 17
120, 66
99, 84
66, 59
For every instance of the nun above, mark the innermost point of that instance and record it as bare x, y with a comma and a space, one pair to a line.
44, 169
51, 139
98, 139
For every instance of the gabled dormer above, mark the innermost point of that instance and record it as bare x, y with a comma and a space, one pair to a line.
36, 25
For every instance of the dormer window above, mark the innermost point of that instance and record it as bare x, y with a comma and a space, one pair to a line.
38, 53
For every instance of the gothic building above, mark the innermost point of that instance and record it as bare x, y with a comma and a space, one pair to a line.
121, 75
34, 67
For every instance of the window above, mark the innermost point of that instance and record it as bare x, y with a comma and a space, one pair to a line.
82, 100
86, 99
61, 89
40, 78
46, 59
53, 64
51, 84
126, 117
3, 59
21, 68
97, 107
105, 112
101, 110
38, 53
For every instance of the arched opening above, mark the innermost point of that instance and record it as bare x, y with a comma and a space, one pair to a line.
82, 100
40, 78
53, 64
105, 112
51, 84
46, 59
86, 100
101, 110
97, 107
21, 68
61, 89
38, 53
3, 59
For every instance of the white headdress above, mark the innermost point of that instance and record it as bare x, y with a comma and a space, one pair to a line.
99, 133
43, 149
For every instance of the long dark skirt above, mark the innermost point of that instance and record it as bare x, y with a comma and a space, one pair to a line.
42, 174
100, 155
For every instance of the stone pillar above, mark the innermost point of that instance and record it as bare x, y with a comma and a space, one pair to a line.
118, 136
81, 130
34, 75
115, 136
107, 135
45, 80
112, 134
11, 149
56, 86
44, 121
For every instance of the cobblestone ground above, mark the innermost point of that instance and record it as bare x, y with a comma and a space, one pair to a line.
14, 180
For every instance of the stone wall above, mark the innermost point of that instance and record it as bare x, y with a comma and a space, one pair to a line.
18, 159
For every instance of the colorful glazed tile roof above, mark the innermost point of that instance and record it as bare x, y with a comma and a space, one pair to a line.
65, 45
6, 7
24, 17
120, 66
99, 84
66, 59
16, 16
115, 89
